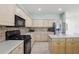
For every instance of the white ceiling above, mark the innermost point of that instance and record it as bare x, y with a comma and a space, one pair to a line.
48, 8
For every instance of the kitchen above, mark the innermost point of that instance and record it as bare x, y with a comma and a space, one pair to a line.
52, 29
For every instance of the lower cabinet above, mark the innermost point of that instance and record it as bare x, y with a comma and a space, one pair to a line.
64, 46
40, 36
69, 46
75, 46
72, 46
18, 50
58, 46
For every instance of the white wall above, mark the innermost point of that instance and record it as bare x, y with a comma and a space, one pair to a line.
72, 21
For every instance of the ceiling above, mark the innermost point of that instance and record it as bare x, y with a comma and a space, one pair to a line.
32, 9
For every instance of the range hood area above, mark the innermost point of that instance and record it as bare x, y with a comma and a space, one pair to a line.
18, 21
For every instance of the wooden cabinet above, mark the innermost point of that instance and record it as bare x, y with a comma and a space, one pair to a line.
72, 46
20, 12
50, 23
50, 45
65, 45
44, 36
40, 36
37, 23
37, 36
58, 46
45, 23
7, 14
28, 20
42, 23
75, 46
69, 46
18, 50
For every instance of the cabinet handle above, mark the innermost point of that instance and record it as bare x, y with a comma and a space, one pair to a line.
72, 42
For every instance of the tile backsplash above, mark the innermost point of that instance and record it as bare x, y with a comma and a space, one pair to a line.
3, 29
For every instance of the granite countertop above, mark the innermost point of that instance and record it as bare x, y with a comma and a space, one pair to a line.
7, 46
63, 36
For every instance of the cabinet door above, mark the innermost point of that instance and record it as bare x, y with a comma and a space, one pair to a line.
37, 23
28, 22
40, 23
20, 12
69, 46
43, 36
75, 46
58, 46
50, 23
37, 37
45, 23
7, 14
50, 44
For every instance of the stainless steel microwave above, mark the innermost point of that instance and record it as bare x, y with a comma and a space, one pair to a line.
19, 21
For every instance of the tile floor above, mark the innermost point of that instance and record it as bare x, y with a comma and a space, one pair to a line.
40, 48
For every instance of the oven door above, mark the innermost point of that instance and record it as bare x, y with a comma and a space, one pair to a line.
27, 46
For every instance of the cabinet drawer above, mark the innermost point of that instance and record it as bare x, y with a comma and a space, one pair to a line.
58, 50
58, 42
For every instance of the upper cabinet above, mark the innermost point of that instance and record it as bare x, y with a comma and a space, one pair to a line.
28, 22
7, 14
43, 23
37, 23
21, 13
50, 22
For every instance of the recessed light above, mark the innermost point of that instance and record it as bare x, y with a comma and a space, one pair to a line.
39, 9
59, 9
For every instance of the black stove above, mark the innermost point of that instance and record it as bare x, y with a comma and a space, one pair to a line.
15, 35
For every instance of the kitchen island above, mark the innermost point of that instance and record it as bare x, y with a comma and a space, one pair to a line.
63, 44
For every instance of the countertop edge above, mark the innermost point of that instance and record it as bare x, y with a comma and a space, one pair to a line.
62, 36
14, 47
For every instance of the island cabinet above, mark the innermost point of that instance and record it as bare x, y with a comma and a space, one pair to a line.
75, 46
7, 14
69, 46
72, 46
66, 45
58, 46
